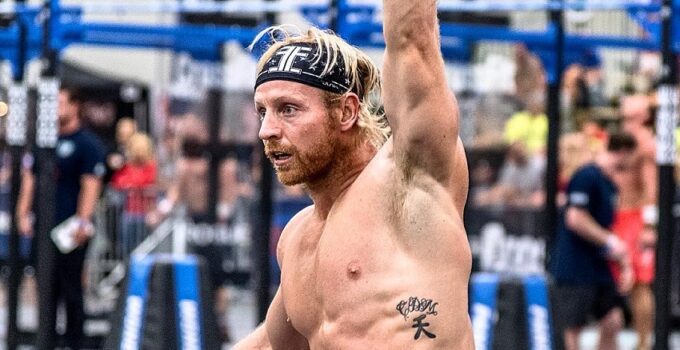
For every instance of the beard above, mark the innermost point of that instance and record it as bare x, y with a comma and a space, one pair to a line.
305, 167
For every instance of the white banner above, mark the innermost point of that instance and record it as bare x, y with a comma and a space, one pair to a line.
17, 120
666, 122
47, 131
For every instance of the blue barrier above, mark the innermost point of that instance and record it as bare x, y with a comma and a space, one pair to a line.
135, 304
495, 299
483, 308
166, 295
188, 303
538, 312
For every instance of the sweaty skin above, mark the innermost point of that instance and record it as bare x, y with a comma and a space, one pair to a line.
381, 260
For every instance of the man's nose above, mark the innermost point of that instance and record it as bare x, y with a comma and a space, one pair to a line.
270, 128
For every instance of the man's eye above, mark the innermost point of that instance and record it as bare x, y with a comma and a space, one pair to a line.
288, 110
261, 113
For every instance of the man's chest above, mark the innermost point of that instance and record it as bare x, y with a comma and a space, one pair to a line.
338, 275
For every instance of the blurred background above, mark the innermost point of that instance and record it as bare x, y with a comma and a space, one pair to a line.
169, 85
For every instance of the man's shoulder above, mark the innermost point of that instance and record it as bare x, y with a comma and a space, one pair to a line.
293, 229
298, 220
585, 179
587, 171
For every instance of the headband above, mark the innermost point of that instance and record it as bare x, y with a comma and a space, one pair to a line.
303, 63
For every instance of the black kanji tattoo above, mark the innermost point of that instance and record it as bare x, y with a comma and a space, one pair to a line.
420, 327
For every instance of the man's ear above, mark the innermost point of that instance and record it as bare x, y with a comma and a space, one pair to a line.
350, 108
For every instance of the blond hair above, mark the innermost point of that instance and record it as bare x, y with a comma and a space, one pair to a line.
363, 74
139, 148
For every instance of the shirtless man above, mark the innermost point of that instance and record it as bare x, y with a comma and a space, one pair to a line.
636, 216
190, 187
381, 259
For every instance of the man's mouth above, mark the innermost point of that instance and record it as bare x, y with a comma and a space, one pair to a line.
279, 158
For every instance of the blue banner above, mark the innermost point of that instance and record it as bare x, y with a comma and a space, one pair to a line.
483, 308
135, 303
538, 312
188, 303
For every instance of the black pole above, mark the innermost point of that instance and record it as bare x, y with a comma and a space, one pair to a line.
50, 55
554, 121
666, 120
214, 102
45, 207
15, 268
334, 12
15, 271
262, 234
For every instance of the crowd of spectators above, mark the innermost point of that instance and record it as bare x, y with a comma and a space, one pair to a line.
511, 174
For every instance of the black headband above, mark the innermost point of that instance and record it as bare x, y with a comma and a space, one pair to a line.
300, 62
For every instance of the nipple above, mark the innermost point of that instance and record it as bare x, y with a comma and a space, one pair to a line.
353, 270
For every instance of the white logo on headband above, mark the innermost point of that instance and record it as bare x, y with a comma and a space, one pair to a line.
289, 54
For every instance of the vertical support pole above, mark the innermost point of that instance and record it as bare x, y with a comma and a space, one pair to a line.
16, 139
554, 122
666, 122
45, 162
215, 111
263, 227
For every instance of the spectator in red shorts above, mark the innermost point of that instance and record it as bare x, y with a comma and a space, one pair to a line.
636, 216
635, 219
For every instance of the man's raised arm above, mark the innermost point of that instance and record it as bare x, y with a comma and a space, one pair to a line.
421, 109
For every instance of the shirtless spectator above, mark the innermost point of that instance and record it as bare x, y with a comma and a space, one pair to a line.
636, 216
381, 259
191, 188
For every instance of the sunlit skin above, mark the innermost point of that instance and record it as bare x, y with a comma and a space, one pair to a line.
299, 134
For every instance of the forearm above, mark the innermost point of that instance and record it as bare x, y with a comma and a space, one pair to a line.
650, 212
650, 183
257, 340
25, 200
410, 23
90, 187
168, 203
